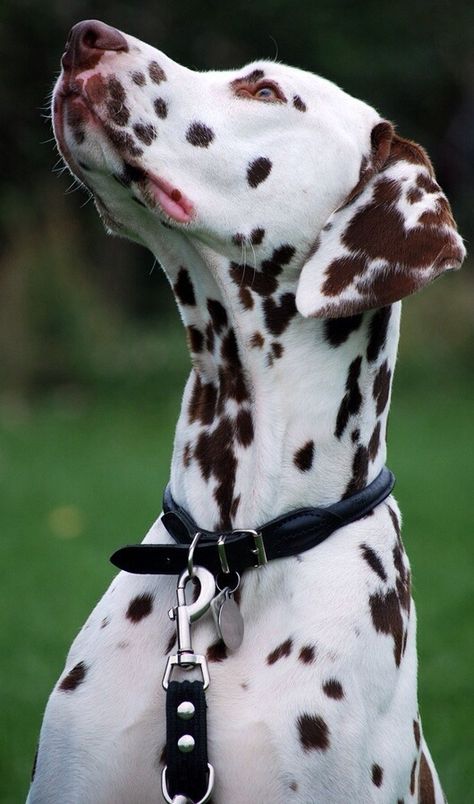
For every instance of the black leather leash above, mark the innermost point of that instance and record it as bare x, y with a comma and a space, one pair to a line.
188, 777
240, 549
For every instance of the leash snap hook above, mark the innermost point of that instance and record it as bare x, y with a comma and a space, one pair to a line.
184, 615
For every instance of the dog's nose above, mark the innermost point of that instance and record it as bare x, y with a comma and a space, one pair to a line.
87, 42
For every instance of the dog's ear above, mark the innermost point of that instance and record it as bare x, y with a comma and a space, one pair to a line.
393, 234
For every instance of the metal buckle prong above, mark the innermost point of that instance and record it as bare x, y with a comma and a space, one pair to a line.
259, 549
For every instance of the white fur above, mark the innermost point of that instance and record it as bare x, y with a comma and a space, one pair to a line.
100, 743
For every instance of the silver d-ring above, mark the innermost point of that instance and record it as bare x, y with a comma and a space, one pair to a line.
192, 548
226, 586
203, 800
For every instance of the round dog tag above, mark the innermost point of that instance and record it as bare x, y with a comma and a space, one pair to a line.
231, 624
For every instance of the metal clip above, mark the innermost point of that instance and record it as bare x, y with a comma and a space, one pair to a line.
184, 614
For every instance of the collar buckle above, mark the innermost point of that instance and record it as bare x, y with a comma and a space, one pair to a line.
259, 549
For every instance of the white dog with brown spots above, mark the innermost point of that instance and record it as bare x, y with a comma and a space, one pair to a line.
290, 220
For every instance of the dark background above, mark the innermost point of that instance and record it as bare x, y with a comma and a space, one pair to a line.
61, 280
92, 356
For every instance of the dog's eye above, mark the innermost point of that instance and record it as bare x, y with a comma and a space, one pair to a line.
268, 92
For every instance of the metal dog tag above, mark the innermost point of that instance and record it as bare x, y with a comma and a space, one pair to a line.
228, 619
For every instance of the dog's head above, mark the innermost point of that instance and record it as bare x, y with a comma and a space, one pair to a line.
268, 157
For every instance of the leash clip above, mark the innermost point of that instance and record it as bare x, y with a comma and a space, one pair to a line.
184, 614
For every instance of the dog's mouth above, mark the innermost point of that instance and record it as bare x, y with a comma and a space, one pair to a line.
75, 117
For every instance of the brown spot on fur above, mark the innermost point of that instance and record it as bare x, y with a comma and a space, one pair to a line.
96, 88
156, 73
426, 793
360, 468
282, 650
140, 607
303, 457
258, 171
381, 389
75, 677
229, 349
307, 654
244, 427
261, 282
123, 141
209, 337
387, 619
395, 522
215, 455
184, 289
352, 399
374, 562
146, 133
403, 580
341, 273
413, 778
333, 689
279, 315
337, 330
218, 314
374, 442
377, 775
161, 108
298, 103
233, 512
195, 339
416, 732
139, 78
313, 733
257, 341
256, 236
203, 401
378, 332
200, 135
277, 349
217, 652
246, 298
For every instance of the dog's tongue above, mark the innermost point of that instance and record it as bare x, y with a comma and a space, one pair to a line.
171, 200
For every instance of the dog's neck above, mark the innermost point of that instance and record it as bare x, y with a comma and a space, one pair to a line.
279, 411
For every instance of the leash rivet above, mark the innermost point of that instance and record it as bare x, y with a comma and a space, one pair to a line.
186, 743
185, 710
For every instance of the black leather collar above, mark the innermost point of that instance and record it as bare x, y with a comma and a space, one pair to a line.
238, 550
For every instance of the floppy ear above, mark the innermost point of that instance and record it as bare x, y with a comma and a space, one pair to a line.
393, 234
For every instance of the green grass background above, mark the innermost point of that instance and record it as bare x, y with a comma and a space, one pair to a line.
83, 474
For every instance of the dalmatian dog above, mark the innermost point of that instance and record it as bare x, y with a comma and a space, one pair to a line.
290, 220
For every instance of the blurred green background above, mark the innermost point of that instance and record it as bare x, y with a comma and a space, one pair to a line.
92, 359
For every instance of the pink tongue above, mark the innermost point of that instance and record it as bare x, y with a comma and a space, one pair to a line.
179, 209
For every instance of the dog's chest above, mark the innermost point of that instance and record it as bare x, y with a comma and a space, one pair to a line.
288, 700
